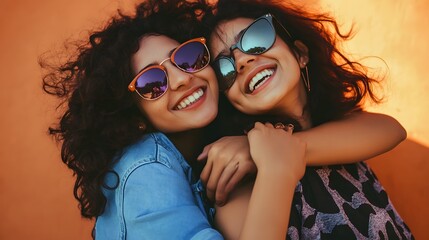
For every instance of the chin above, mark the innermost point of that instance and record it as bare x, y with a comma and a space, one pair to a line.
207, 120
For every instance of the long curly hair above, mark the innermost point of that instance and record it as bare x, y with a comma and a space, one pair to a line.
101, 118
338, 84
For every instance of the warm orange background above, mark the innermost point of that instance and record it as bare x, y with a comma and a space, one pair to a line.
36, 188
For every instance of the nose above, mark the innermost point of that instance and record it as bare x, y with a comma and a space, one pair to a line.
177, 78
242, 60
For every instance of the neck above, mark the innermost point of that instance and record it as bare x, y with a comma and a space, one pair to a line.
304, 119
190, 144
295, 107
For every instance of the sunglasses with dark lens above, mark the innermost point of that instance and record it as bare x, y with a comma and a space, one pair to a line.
256, 39
191, 56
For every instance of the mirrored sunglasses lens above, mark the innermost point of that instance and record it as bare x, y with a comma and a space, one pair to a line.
152, 83
258, 38
192, 57
225, 72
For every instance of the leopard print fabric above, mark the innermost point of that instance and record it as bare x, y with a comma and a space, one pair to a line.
343, 202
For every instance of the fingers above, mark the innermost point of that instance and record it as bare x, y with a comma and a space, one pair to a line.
225, 187
279, 125
220, 173
212, 170
213, 179
289, 128
205, 173
258, 125
203, 155
222, 181
228, 173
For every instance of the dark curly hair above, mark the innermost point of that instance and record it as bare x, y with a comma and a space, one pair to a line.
338, 84
101, 117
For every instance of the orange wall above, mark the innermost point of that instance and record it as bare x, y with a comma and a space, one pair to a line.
36, 189
397, 31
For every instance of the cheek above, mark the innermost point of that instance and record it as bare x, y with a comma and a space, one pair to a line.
212, 81
209, 76
235, 98
294, 77
154, 111
231, 95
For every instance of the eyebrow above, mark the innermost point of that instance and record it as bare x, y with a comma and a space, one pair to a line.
155, 63
225, 52
172, 50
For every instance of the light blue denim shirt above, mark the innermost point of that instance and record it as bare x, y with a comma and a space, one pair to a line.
151, 195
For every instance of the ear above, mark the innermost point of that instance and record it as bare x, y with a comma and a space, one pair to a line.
142, 126
302, 54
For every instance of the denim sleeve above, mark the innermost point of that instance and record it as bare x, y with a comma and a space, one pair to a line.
159, 204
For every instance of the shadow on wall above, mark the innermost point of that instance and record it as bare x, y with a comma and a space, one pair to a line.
402, 172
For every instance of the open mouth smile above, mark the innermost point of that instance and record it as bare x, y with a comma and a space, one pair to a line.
190, 99
260, 78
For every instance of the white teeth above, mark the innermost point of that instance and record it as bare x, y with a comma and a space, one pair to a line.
196, 95
190, 99
260, 78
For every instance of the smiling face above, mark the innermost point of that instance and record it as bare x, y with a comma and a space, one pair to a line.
265, 84
191, 100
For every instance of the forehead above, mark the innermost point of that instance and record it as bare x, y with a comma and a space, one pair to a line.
152, 49
227, 33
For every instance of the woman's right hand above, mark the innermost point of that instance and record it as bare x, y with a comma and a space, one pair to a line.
280, 159
274, 149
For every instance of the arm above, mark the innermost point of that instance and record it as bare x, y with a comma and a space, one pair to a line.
267, 206
357, 137
158, 203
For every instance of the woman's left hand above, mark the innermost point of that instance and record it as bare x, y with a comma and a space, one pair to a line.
228, 162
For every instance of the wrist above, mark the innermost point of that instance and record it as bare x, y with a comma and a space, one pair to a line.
283, 174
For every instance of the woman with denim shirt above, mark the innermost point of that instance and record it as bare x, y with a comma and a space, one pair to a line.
139, 96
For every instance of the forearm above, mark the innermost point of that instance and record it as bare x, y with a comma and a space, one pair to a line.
230, 217
269, 207
355, 138
268, 210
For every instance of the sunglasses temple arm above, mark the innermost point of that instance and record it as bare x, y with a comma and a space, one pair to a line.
283, 27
